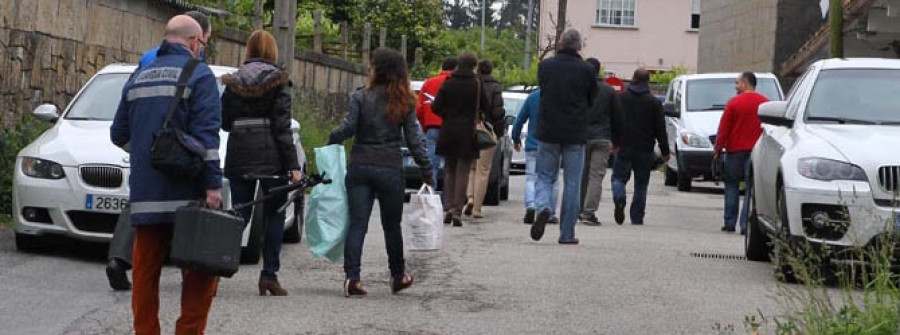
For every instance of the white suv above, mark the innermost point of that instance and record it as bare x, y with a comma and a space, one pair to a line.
694, 104
827, 168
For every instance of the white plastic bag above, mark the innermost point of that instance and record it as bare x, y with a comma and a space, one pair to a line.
424, 228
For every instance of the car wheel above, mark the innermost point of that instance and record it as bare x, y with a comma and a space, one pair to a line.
671, 177
293, 234
250, 254
683, 179
29, 243
782, 246
756, 242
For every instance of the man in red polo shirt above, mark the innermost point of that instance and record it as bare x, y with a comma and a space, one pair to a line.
739, 130
429, 121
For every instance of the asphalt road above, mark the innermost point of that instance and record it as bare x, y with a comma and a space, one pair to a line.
490, 278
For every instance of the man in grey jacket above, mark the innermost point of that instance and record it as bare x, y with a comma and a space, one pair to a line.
604, 128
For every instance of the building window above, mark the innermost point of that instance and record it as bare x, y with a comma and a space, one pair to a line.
618, 13
695, 14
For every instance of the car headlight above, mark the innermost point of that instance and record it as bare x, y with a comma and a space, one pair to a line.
828, 170
44, 169
694, 140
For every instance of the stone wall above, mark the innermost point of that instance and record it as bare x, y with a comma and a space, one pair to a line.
50, 48
737, 35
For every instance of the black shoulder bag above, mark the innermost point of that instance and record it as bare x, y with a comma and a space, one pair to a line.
173, 151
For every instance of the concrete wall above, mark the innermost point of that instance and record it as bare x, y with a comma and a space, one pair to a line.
50, 48
660, 40
737, 35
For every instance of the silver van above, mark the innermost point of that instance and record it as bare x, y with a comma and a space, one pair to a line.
693, 106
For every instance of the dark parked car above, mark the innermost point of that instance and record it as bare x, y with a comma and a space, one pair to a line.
498, 182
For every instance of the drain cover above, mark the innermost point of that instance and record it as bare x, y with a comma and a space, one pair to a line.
718, 256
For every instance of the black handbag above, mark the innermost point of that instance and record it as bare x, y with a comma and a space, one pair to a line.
484, 131
173, 151
207, 240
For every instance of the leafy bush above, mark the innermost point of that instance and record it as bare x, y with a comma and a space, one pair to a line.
12, 140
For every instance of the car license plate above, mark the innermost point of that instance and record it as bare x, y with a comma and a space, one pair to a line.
105, 203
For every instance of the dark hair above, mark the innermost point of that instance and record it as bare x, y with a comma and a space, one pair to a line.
750, 77
201, 19
641, 76
595, 63
467, 62
389, 70
449, 64
485, 67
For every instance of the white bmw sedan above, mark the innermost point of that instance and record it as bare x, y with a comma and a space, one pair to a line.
826, 170
73, 181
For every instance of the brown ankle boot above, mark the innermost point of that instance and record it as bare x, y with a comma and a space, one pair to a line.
271, 286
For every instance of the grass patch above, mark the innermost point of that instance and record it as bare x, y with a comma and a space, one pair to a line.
862, 297
5, 221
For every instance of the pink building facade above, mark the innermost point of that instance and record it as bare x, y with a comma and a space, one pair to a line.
628, 34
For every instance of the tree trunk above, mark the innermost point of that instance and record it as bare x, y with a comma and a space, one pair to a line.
258, 14
561, 19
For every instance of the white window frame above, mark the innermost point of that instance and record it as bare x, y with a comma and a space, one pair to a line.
609, 5
695, 9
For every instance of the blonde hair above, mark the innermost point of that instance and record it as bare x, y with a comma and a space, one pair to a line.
261, 44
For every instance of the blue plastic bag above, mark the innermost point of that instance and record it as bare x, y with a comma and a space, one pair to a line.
328, 214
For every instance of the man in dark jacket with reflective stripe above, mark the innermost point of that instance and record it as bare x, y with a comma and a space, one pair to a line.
645, 126
604, 133
154, 195
568, 89
122, 244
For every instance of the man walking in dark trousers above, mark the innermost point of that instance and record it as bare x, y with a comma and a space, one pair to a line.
644, 123
739, 129
568, 89
604, 125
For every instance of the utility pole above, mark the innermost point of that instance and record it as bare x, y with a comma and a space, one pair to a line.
528, 23
285, 26
836, 25
483, 11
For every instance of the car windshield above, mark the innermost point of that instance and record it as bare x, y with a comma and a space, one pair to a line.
862, 96
97, 103
100, 98
713, 94
512, 105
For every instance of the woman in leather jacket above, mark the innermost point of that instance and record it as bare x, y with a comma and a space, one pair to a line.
382, 119
256, 111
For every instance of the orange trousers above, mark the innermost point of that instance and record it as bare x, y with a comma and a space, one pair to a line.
197, 289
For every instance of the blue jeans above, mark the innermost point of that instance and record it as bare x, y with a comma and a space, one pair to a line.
242, 191
641, 163
737, 167
531, 181
431, 138
365, 183
549, 157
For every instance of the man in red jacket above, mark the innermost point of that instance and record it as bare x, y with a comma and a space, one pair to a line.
739, 130
431, 122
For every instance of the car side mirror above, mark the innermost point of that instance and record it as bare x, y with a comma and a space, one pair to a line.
669, 109
775, 113
47, 112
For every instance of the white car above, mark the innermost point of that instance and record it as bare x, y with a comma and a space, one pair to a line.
73, 181
826, 170
694, 104
512, 102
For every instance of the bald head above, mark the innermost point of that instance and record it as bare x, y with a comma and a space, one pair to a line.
182, 29
641, 76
